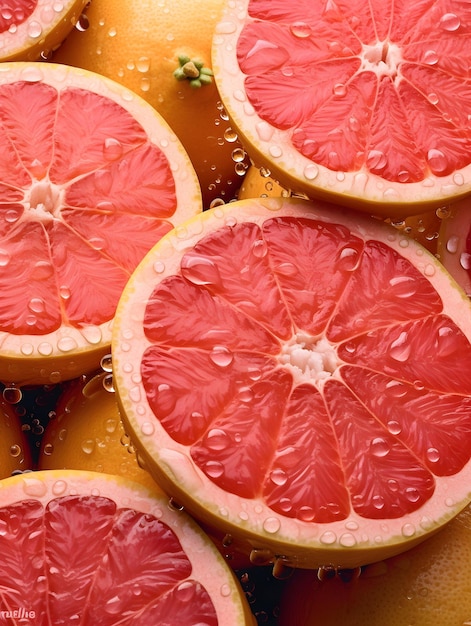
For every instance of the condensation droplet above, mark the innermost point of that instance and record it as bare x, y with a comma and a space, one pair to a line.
347, 540
259, 248
400, 348
430, 57
271, 525
147, 428
279, 477
4, 258
12, 395
59, 487
433, 455
34, 29
200, 270
394, 427
217, 439
408, 530
437, 160
221, 356
339, 89
412, 494
112, 149
302, 30
379, 447
450, 22
328, 537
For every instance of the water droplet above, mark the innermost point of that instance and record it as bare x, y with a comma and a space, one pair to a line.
66, 344
403, 286
347, 540
437, 161
245, 394
465, 260
12, 395
301, 30
112, 149
143, 64
217, 439
376, 160
394, 427
106, 363
279, 477
379, 447
433, 98
408, 530
326, 572
59, 487
147, 428
259, 248
200, 270
48, 449
412, 494
378, 502
221, 356
452, 244
433, 455
88, 446
15, 450
430, 57
449, 22
34, 29
238, 155
275, 151
400, 349
328, 537
339, 90
64, 292
34, 487
261, 556
348, 259
271, 525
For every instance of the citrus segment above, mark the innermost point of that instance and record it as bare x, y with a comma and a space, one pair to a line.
454, 244
365, 105
297, 375
426, 585
144, 45
30, 29
81, 546
84, 197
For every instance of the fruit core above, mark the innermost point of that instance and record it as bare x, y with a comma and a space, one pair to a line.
382, 57
309, 359
44, 201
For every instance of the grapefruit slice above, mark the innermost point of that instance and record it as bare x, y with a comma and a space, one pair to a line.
81, 547
30, 29
427, 585
90, 178
364, 104
297, 374
454, 243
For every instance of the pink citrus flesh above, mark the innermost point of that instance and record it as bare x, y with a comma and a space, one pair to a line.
297, 374
362, 104
30, 29
90, 178
94, 549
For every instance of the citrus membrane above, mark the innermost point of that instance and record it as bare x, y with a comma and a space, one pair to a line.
90, 178
30, 29
297, 374
363, 104
454, 243
89, 548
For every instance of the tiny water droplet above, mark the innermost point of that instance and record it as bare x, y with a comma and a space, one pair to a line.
394, 427
412, 494
259, 248
12, 395
34, 29
430, 57
376, 160
200, 270
221, 356
400, 348
48, 449
328, 537
279, 477
437, 160
379, 447
112, 149
88, 446
408, 530
147, 428
106, 363
339, 89
271, 525
433, 455
302, 30
449, 22
217, 439
15, 450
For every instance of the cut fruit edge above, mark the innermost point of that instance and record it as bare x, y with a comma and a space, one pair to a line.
253, 525
41, 32
73, 350
207, 565
270, 148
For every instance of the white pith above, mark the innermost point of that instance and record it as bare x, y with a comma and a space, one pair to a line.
310, 359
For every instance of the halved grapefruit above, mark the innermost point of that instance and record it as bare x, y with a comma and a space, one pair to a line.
454, 243
361, 103
30, 29
298, 375
82, 547
90, 178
